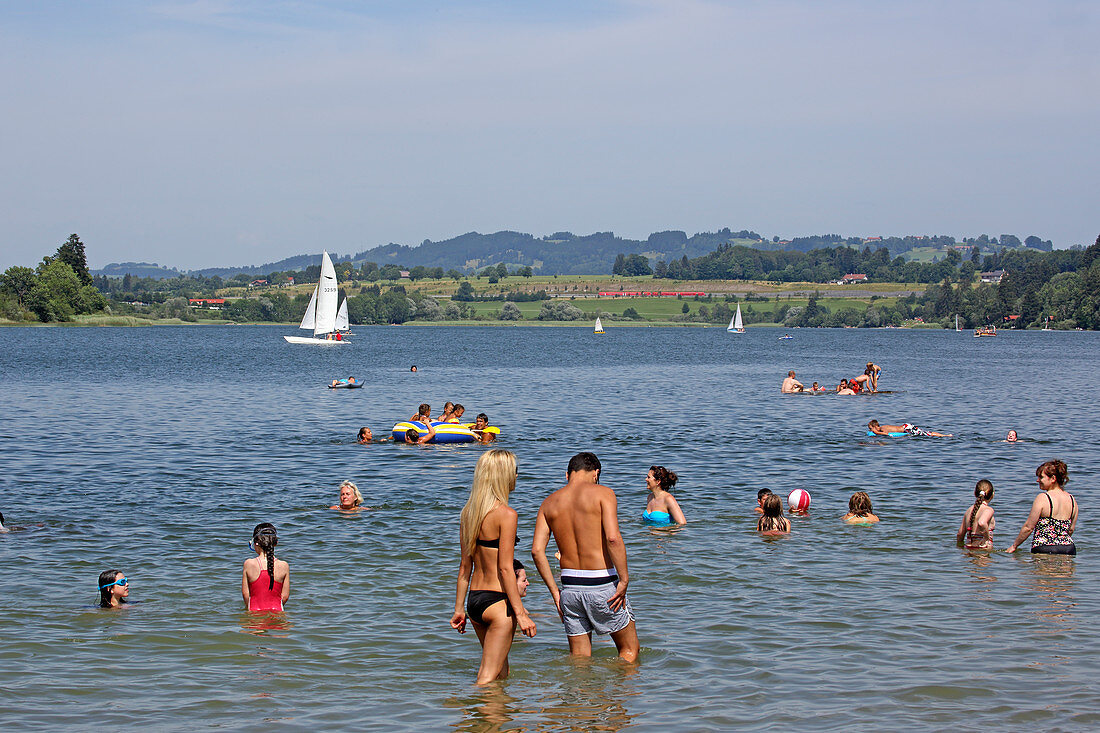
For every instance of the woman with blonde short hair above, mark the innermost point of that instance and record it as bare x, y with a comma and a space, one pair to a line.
487, 534
350, 498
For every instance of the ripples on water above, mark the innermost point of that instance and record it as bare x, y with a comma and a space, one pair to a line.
157, 450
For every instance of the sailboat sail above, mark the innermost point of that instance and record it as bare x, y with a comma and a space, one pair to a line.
736, 325
342, 317
309, 317
957, 322
599, 326
325, 320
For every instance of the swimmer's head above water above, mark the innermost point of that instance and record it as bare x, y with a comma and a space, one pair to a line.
1011, 437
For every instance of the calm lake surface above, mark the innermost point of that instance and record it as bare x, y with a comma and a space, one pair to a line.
156, 450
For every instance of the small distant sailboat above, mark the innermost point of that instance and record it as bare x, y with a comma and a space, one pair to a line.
785, 336
599, 326
321, 314
957, 329
1046, 326
736, 326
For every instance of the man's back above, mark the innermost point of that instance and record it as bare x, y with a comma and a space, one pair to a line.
576, 515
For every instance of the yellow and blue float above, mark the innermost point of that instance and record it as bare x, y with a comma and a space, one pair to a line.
445, 432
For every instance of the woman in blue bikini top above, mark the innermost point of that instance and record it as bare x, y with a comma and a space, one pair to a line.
662, 507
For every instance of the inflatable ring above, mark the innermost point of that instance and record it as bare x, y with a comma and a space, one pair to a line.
892, 435
445, 432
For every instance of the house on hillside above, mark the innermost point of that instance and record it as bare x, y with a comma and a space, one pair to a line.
992, 277
288, 284
852, 278
214, 304
403, 273
258, 284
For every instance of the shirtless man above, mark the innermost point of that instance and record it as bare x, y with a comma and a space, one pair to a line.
907, 428
483, 435
869, 377
790, 384
583, 517
843, 388
423, 414
412, 435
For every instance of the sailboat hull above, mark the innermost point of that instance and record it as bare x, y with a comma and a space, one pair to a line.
310, 340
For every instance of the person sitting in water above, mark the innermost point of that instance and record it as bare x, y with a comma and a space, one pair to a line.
844, 388
113, 589
662, 507
976, 530
265, 580
906, 428
760, 496
351, 500
791, 385
1053, 514
412, 435
815, 387
423, 414
480, 429
772, 521
1011, 437
859, 509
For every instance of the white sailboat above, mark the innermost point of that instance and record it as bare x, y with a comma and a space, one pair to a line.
957, 329
735, 323
321, 315
599, 326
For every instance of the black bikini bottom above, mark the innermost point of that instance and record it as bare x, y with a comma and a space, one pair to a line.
479, 600
1070, 549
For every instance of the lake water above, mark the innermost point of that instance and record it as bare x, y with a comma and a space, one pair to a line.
156, 450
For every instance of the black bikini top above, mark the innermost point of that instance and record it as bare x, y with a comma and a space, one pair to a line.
493, 543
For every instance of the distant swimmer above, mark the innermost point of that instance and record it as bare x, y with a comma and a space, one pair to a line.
2, 527
790, 384
772, 521
351, 500
1011, 437
662, 507
859, 509
265, 581
582, 516
412, 368
976, 530
906, 428
760, 497
113, 589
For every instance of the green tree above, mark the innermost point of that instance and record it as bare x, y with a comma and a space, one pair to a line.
393, 307
72, 254
510, 312
18, 281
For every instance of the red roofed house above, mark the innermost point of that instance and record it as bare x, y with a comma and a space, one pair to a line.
853, 278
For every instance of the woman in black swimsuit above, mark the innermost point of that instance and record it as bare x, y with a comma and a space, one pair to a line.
488, 537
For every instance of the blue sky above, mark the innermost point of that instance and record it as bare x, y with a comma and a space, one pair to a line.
218, 133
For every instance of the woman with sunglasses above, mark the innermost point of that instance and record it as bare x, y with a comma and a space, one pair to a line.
113, 589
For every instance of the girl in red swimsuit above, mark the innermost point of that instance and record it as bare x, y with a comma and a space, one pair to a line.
265, 581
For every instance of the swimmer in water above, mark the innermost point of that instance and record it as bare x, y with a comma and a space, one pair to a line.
113, 589
448, 412
459, 411
906, 428
844, 388
1011, 437
791, 385
265, 581
365, 435
412, 435
976, 530
480, 425
662, 507
772, 521
351, 500
2, 527
412, 368
760, 496
859, 509
815, 387
423, 414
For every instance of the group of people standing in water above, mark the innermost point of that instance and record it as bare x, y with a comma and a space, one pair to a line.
866, 382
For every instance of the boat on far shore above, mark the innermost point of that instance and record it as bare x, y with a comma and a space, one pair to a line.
985, 331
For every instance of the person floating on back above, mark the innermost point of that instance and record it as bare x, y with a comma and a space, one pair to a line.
583, 518
265, 581
906, 428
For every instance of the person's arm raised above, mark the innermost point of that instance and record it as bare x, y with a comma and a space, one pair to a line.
609, 508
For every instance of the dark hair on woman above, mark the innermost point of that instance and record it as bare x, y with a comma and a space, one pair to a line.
106, 582
860, 504
772, 519
665, 478
265, 538
1055, 468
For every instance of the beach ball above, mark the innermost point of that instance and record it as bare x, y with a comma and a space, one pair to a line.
798, 500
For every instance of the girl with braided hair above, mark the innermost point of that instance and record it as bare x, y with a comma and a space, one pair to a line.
976, 530
265, 581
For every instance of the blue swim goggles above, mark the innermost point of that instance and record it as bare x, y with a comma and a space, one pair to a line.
120, 581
